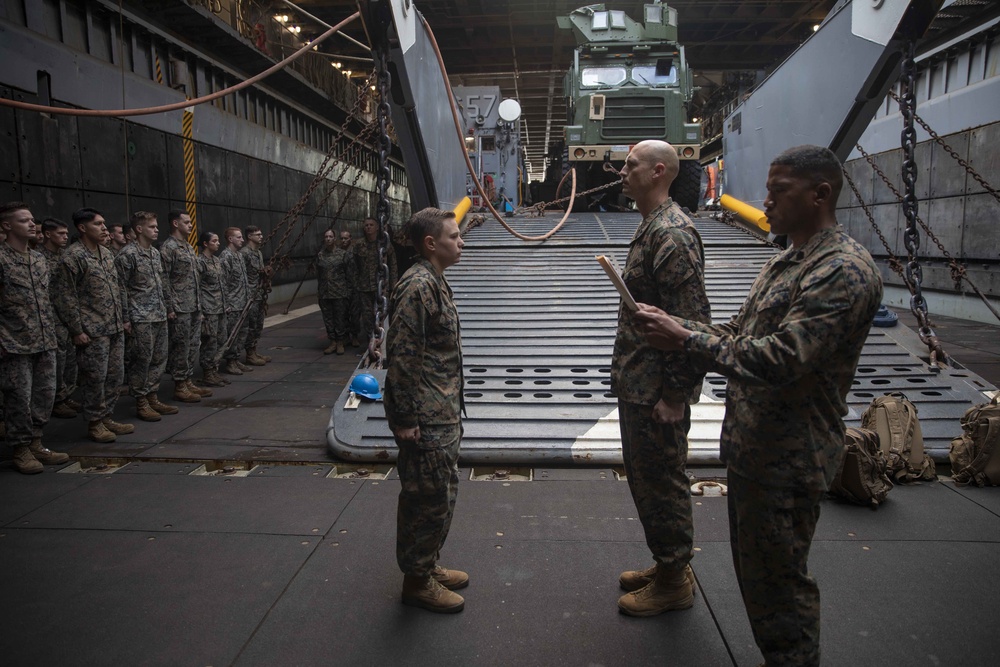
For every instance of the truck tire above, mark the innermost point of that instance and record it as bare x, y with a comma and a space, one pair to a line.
686, 190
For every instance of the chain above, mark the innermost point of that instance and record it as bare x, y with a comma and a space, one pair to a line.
952, 152
894, 262
382, 178
911, 237
538, 210
729, 218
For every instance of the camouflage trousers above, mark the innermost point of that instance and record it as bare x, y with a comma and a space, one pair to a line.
66, 370
102, 371
28, 385
255, 325
234, 350
655, 458
366, 304
185, 342
213, 337
428, 474
147, 357
335, 318
354, 327
770, 531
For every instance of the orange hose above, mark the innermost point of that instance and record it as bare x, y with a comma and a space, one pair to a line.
145, 111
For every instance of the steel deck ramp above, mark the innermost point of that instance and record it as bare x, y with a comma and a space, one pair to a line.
538, 327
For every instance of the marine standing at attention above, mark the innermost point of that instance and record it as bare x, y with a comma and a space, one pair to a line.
27, 342
665, 266
213, 309
234, 286
790, 356
423, 405
257, 271
334, 278
367, 272
56, 233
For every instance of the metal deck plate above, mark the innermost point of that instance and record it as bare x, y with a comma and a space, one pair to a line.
538, 327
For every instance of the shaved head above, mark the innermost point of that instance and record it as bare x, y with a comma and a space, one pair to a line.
654, 151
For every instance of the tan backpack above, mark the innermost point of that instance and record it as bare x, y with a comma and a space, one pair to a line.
861, 477
975, 455
894, 418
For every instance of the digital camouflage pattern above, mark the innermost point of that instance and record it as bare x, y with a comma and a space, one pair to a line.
335, 279
27, 322
184, 344
423, 383
66, 352
147, 357
211, 295
790, 355
335, 313
239, 341
366, 260
28, 386
428, 476
90, 298
141, 273
665, 268
102, 371
180, 276
213, 335
254, 262
234, 280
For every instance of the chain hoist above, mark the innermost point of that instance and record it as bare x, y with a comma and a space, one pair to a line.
911, 236
382, 178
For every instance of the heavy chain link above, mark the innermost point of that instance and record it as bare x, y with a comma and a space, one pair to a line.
894, 262
911, 236
382, 179
729, 218
538, 210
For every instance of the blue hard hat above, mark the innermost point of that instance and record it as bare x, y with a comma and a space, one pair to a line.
366, 385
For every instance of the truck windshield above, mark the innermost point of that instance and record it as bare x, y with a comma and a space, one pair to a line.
646, 75
602, 76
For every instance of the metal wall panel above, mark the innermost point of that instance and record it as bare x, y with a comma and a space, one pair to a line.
260, 188
110, 204
49, 148
156, 205
47, 202
175, 167
10, 191
276, 191
239, 179
10, 168
212, 173
147, 162
212, 218
101, 154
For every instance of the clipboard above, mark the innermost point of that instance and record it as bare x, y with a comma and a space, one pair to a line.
616, 280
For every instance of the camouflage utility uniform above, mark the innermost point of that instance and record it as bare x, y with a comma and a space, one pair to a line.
90, 300
423, 387
253, 261
334, 276
366, 261
66, 353
213, 302
28, 343
141, 274
234, 286
790, 355
180, 282
665, 268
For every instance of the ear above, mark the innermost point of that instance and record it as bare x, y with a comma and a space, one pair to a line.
429, 243
822, 194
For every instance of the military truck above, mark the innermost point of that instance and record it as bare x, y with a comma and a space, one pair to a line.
629, 81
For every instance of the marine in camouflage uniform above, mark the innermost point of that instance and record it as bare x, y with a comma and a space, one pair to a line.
790, 356
665, 266
334, 278
367, 266
27, 344
213, 300
253, 259
180, 282
423, 405
90, 301
141, 272
234, 286
66, 370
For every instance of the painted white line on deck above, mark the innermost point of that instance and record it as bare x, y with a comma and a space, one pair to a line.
292, 314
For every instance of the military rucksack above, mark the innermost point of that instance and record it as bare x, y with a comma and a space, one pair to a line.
895, 421
861, 477
975, 455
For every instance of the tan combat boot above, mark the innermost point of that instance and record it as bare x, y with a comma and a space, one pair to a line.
253, 359
427, 593
331, 348
450, 579
195, 389
45, 455
340, 347
98, 432
160, 406
73, 405
144, 411
211, 378
232, 367
63, 411
116, 427
25, 462
182, 393
263, 357
670, 589
633, 580
243, 367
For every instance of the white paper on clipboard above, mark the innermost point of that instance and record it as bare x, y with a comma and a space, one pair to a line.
616, 279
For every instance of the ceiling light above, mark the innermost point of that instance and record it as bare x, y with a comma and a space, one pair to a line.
281, 18
296, 29
815, 27
337, 65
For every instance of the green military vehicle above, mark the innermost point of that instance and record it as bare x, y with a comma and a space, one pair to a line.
628, 82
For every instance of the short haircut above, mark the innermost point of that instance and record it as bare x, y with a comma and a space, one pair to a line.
424, 223
816, 163
205, 237
252, 229
7, 209
140, 217
118, 225
369, 218
230, 231
52, 224
85, 215
175, 214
